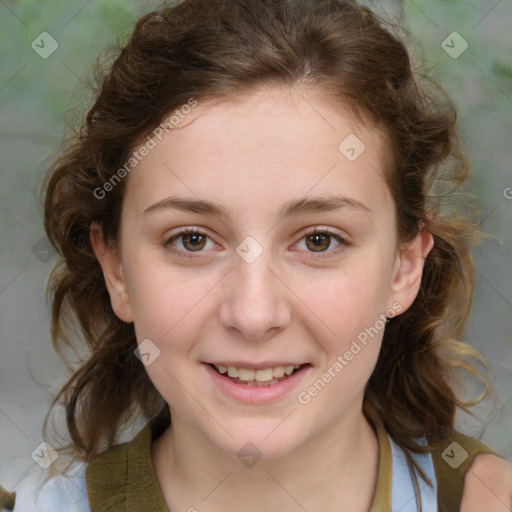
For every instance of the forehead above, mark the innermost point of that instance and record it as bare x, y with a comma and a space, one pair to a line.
262, 148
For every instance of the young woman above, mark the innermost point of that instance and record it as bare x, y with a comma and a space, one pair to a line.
256, 247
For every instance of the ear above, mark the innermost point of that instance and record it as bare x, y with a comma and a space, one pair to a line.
112, 267
408, 270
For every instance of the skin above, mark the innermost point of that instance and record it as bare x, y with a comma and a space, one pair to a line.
252, 154
488, 485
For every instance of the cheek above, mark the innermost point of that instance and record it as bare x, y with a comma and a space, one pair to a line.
171, 302
352, 306
351, 298
166, 301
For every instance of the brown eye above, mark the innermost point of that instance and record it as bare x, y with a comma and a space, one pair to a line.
191, 240
194, 241
318, 242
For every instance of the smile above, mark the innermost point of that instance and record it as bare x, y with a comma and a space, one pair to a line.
261, 377
263, 383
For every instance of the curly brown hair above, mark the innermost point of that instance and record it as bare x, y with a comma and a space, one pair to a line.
209, 49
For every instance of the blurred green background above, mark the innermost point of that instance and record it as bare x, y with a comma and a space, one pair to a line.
40, 96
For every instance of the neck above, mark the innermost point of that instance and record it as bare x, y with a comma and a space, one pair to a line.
337, 470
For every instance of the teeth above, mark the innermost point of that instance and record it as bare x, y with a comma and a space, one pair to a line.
246, 374
279, 371
257, 377
288, 370
264, 375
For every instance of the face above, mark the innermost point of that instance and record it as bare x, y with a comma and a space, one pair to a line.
251, 240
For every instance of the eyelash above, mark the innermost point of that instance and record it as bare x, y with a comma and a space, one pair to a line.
184, 254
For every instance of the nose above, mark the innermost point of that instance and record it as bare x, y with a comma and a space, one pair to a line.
255, 302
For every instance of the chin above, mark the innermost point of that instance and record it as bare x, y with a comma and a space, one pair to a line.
254, 443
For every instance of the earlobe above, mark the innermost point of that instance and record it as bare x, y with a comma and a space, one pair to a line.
409, 269
111, 265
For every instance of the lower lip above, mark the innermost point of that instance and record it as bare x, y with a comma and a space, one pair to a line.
257, 394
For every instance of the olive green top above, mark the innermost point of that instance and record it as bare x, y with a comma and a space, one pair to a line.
123, 478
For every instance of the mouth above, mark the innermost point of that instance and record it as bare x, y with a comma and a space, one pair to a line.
262, 377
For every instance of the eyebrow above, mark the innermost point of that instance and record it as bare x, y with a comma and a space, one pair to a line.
291, 208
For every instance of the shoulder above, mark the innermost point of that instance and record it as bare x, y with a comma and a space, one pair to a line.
463, 467
488, 485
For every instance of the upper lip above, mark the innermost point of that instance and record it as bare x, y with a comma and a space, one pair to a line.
256, 366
